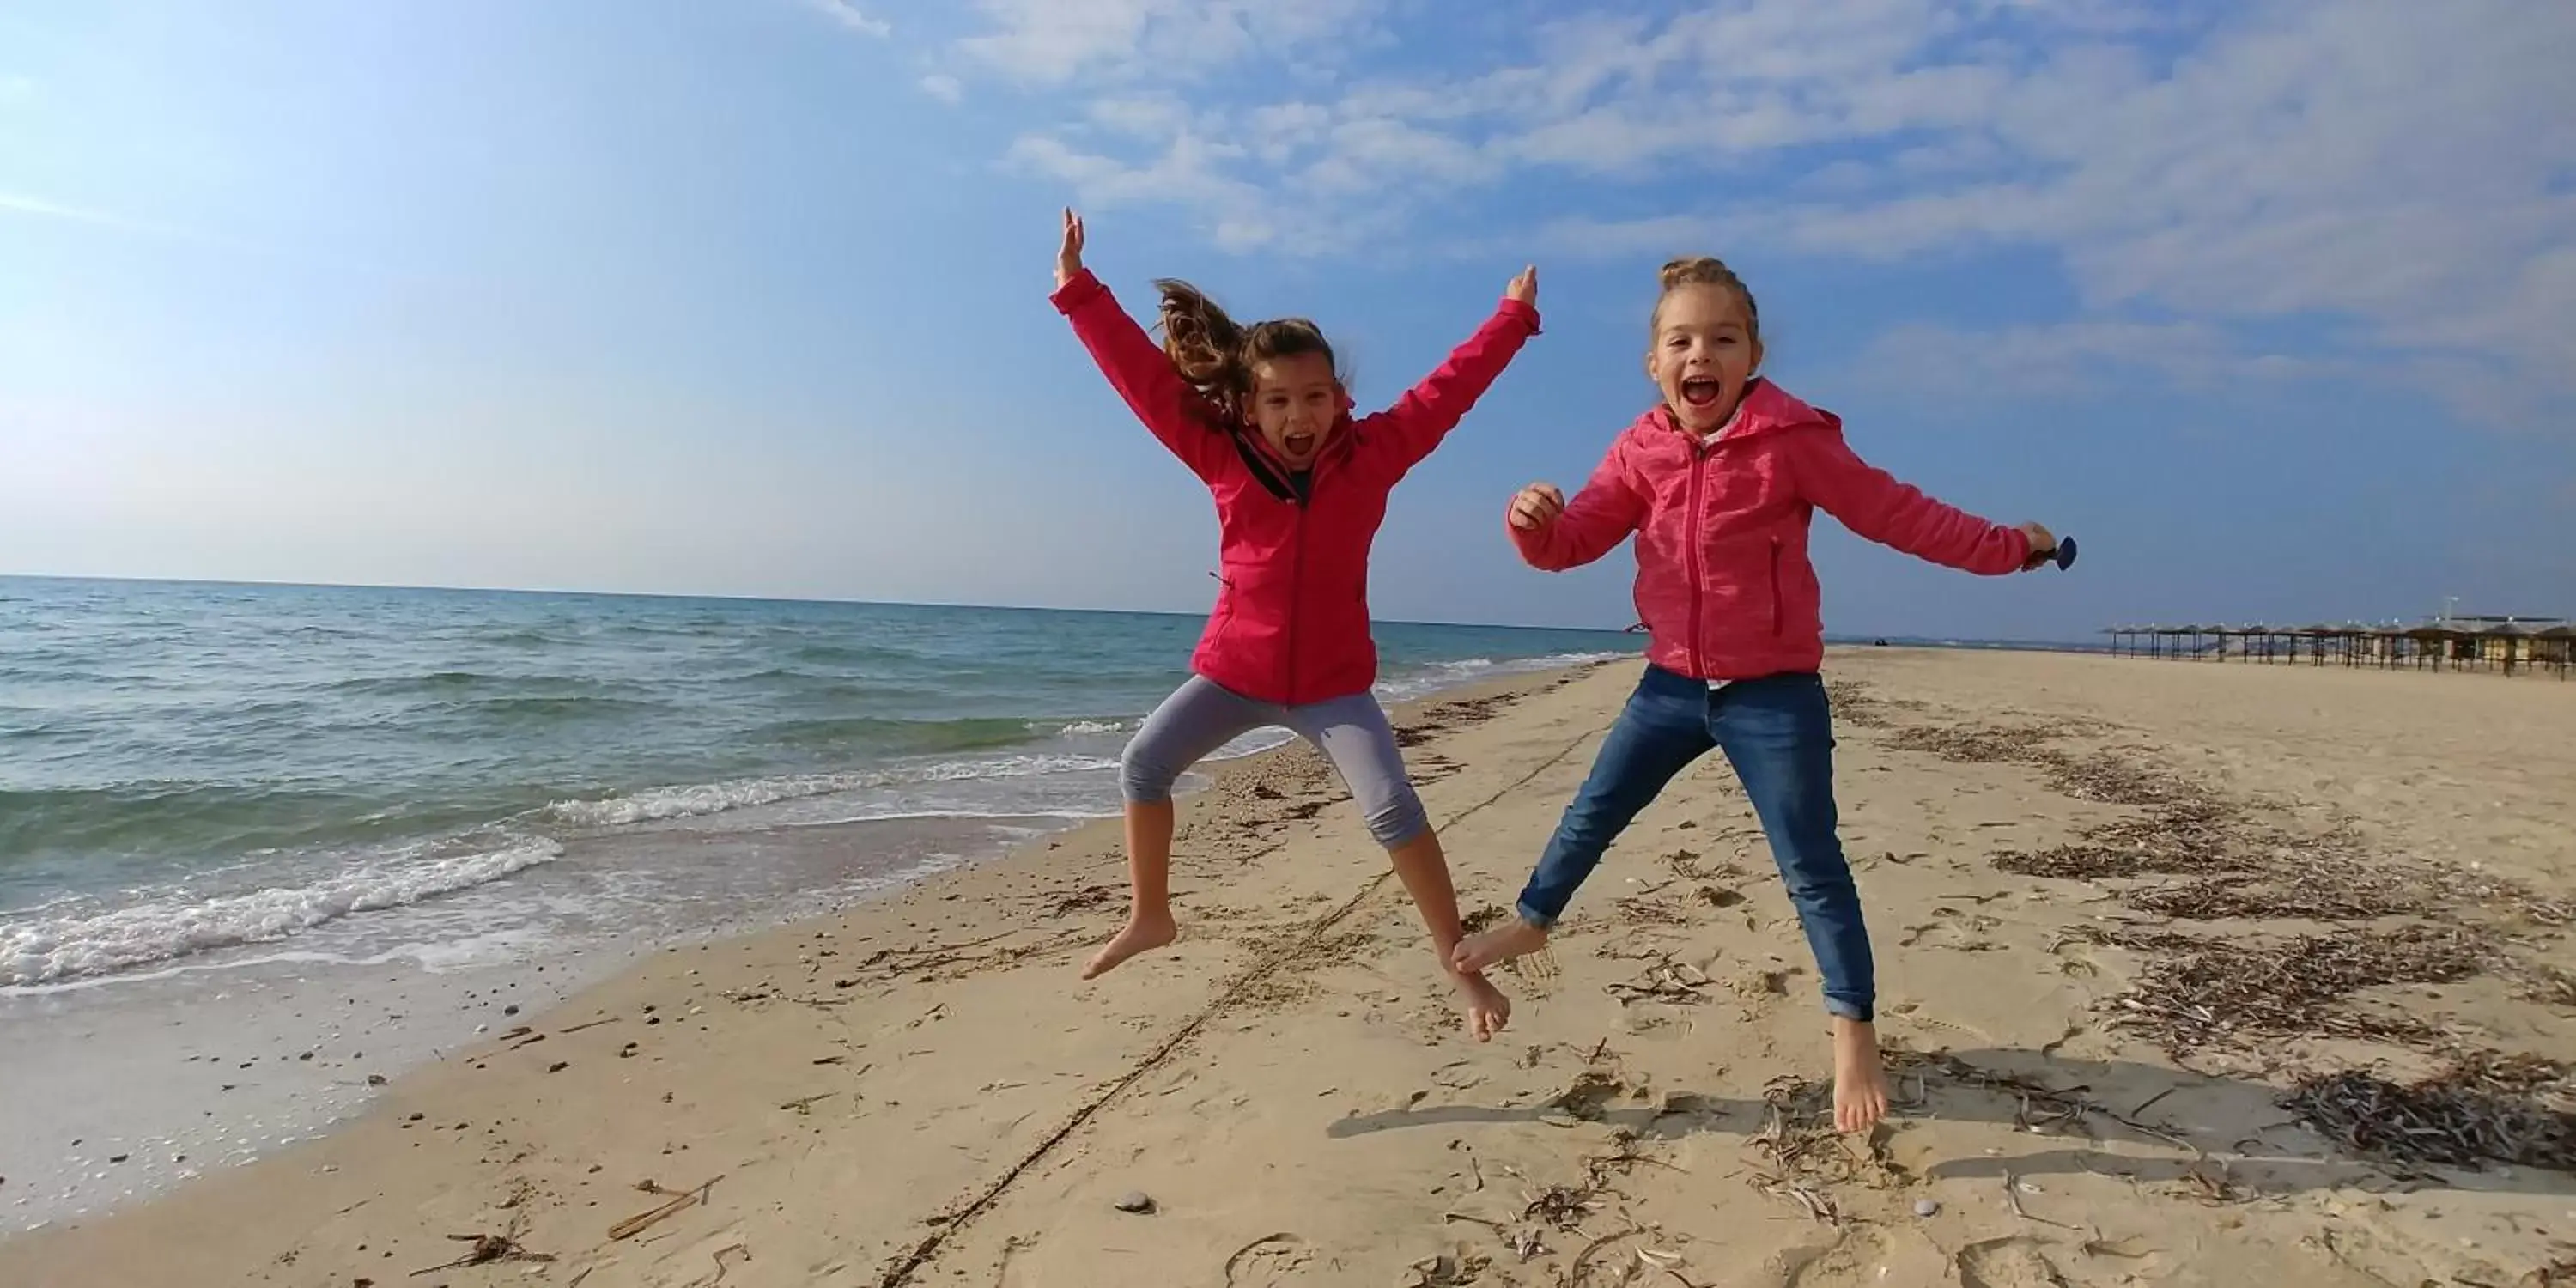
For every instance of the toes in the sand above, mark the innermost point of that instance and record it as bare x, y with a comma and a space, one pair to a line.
1860, 1077
1142, 935
1493, 947
1488, 1011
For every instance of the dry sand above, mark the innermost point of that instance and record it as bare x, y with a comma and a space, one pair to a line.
920, 1092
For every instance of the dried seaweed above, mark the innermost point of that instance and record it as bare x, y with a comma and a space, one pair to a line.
2547, 985
2170, 842
2246, 995
1981, 744
2039, 1107
2204, 992
1561, 1207
1667, 980
2486, 1108
2116, 779
1852, 704
1799, 1153
2312, 894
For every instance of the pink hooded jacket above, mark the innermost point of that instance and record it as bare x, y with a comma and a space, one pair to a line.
1723, 582
1292, 623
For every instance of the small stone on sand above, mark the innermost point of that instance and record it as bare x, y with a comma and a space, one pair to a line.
1136, 1201
1927, 1207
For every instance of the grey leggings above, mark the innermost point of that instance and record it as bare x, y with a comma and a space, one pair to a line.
1352, 732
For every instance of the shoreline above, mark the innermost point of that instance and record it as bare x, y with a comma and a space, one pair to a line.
218, 1059
916, 1085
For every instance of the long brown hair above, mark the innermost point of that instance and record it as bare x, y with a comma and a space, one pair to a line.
1216, 354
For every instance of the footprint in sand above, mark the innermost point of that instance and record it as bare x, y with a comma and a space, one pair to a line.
2075, 958
1456, 1076
1954, 931
1538, 971
1270, 1259
2010, 1262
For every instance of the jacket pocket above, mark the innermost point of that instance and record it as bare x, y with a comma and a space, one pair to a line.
1222, 615
1779, 609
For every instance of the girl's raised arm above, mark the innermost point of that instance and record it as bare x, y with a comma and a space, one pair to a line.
1429, 410
1136, 366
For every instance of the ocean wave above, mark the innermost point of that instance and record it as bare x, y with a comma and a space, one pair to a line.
155, 817
46, 950
699, 799
522, 638
1433, 677
1093, 728
570, 706
843, 655
885, 735
457, 685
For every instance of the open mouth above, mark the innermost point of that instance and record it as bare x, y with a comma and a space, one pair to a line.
1702, 391
1297, 445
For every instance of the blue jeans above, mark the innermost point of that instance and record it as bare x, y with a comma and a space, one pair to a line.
1777, 732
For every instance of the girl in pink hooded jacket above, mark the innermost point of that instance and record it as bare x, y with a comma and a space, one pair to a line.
1718, 484
1259, 413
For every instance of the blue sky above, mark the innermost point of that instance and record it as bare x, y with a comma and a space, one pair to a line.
2272, 303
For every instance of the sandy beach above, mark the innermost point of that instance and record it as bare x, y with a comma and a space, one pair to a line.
2193, 975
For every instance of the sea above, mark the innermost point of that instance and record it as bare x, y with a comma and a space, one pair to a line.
262, 847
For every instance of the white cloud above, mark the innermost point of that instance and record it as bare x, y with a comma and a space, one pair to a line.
1053, 41
947, 89
2397, 165
1189, 172
852, 18
1154, 117
2074, 356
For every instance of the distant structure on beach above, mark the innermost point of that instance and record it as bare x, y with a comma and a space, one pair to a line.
2511, 645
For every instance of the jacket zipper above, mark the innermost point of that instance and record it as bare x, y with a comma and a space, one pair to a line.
1699, 460
1296, 598
1779, 610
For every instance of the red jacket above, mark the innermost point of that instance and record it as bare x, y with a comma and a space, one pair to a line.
1723, 583
1292, 623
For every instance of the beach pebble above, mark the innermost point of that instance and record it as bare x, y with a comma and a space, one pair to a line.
1136, 1201
1927, 1207
511, 1009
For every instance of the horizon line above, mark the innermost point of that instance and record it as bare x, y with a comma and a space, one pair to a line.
724, 597
1848, 638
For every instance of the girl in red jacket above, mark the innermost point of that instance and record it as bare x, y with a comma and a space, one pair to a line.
1259, 414
1718, 484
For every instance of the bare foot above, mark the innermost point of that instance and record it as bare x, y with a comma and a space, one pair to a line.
1860, 1079
1143, 934
1513, 938
1487, 1009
